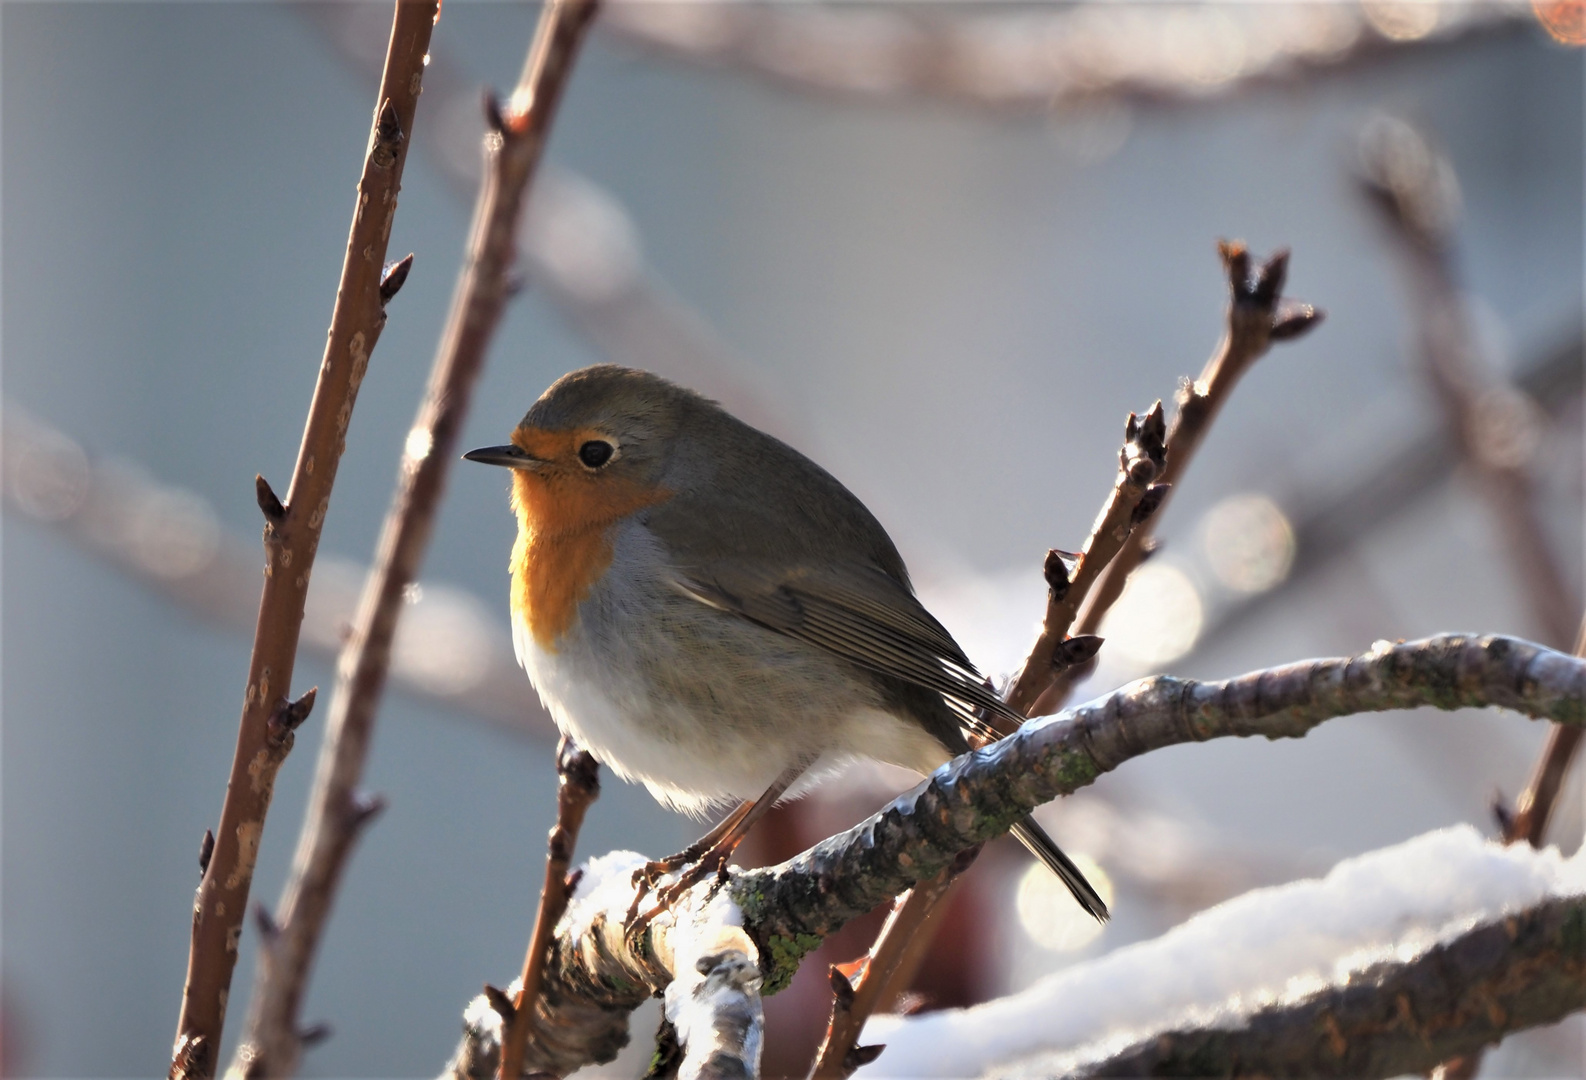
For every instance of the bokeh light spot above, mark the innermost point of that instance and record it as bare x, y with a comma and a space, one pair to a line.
1564, 20
1048, 913
1248, 542
1157, 619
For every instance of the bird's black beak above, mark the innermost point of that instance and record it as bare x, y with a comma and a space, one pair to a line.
511, 456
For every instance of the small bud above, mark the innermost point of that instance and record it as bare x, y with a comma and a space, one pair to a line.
1502, 813
1149, 503
268, 930
268, 503
501, 1004
289, 716
1270, 278
314, 1034
860, 1056
206, 849
393, 277
493, 118
1058, 569
1293, 319
365, 807
1076, 650
842, 989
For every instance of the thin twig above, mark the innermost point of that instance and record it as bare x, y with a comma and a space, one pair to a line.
291, 538
515, 149
1396, 1017
1150, 461
1258, 315
595, 978
861, 988
1135, 498
578, 785
1494, 426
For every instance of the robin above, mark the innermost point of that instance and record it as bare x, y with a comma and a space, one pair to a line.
711, 613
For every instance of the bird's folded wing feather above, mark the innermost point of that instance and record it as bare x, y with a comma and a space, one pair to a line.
862, 615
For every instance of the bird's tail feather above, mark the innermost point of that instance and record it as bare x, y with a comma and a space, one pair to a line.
1033, 837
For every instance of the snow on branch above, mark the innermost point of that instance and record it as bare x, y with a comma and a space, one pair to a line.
595, 977
1394, 961
790, 908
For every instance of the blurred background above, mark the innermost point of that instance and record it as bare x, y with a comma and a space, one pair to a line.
943, 250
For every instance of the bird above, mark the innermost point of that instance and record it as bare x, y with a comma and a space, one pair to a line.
712, 614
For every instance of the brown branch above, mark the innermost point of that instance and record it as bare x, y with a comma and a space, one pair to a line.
1150, 454
1043, 58
578, 785
515, 149
291, 538
1394, 1018
1258, 315
1135, 498
1494, 426
862, 988
594, 978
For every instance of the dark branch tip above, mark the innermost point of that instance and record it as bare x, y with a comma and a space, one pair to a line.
268, 930
1294, 319
315, 1034
842, 988
393, 277
268, 502
364, 807
1058, 569
501, 1004
1149, 503
494, 120
860, 1056
1076, 650
289, 715
1270, 278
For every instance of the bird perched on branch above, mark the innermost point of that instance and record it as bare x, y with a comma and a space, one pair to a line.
711, 613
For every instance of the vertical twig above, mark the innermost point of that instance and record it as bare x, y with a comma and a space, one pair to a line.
336, 809
1151, 460
578, 785
291, 537
1494, 427
1258, 315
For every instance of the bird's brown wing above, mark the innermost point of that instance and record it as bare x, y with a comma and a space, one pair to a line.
861, 614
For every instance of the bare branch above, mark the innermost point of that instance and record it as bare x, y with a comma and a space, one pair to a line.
1397, 1018
291, 538
1135, 498
1043, 58
578, 785
332, 824
1258, 315
594, 979
1494, 426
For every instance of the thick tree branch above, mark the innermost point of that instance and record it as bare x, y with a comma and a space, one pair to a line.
1395, 1018
291, 539
515, 148
593, 979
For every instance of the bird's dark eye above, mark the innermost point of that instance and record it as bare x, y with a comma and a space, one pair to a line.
595, 453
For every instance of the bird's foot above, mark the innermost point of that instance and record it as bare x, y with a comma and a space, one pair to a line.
712, 859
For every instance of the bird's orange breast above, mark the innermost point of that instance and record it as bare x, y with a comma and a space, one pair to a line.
565, 517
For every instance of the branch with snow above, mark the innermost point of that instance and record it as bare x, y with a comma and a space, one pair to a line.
696, 953
1390, 963
594, 978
